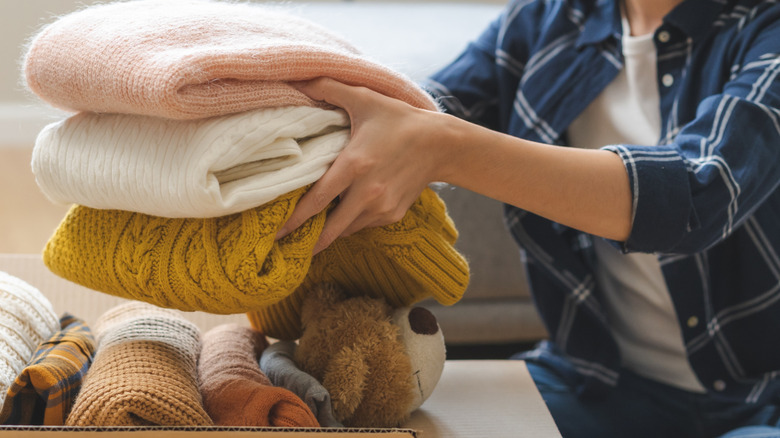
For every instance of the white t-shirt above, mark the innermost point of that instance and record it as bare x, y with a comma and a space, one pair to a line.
637, 300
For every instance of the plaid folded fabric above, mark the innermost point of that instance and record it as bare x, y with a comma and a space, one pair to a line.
45, 390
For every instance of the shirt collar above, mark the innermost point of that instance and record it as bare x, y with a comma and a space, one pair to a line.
693, 17
602, 23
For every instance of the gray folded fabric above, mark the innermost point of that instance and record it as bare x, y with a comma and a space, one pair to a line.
277, 363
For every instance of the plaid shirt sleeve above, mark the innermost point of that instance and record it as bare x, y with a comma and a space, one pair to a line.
45, 390
694, 191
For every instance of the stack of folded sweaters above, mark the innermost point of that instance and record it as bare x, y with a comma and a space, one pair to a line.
190, 148
144, 365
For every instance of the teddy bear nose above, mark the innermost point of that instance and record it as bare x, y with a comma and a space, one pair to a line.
422, 321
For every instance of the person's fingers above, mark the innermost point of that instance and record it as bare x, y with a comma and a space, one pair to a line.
348, 210
383, 212
360, 222
333, 92
325, 190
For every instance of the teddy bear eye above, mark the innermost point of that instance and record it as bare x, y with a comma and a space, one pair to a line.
422, 321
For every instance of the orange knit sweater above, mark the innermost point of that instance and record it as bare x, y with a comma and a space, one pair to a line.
144, 372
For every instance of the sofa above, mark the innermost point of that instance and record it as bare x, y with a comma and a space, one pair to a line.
418, 39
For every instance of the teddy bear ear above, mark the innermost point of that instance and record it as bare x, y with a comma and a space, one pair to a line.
424, 342
345, 380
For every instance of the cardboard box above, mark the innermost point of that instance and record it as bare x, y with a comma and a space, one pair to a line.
197, 432
474, 398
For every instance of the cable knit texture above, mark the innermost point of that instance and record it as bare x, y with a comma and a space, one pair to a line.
232, 264
144, 372
197, 168
26, 319
235, 391
229, 264
403, 263
188, 59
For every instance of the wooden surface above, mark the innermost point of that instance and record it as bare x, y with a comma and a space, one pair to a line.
484, 398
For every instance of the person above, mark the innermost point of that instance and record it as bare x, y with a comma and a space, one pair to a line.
635, 144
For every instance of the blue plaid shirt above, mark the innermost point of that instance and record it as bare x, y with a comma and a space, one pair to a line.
705, 197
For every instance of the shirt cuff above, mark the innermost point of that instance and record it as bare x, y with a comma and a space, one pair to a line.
661, 208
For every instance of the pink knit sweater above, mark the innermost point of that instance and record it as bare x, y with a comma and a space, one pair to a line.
187, 59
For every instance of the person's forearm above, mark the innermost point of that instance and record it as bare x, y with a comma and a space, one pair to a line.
396, 150
583, 189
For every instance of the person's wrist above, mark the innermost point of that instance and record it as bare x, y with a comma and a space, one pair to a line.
446, 136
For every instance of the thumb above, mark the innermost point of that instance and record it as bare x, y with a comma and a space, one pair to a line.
333, 92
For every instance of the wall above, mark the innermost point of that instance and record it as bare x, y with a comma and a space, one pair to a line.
21, 115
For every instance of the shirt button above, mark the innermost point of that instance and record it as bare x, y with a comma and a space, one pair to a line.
667, 80
693, 321
719, 385
663, 36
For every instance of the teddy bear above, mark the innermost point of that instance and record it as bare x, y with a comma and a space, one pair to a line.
379, 364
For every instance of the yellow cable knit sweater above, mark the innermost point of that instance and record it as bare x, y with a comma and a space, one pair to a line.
232, 264
228, 264
403, 263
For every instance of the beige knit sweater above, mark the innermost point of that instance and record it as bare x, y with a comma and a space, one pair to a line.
144, 372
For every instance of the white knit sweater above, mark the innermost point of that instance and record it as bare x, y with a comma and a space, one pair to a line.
26, 320
197, 168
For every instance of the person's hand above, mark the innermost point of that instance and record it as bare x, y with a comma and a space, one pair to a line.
382, 170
